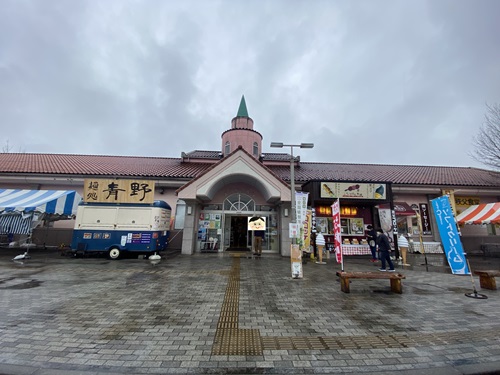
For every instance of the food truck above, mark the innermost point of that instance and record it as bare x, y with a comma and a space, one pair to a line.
118, 229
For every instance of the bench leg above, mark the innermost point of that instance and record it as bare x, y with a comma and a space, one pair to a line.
396, 286
487, 282
344, 285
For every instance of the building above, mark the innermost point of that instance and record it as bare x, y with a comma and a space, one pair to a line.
214, 193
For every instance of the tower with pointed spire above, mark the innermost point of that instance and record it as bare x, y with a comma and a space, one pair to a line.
242, 134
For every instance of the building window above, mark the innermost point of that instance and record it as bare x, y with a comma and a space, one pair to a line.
227, 148
239, 203
180, 214
255, 149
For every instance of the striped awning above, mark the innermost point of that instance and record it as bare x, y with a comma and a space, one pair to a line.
16, 223
486, 213
59, 202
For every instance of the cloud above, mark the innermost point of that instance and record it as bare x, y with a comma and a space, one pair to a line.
366, 81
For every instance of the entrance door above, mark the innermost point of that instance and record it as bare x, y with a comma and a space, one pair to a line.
238, 233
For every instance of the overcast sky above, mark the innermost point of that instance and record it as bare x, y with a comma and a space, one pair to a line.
376, 81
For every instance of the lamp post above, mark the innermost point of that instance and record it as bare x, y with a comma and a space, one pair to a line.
292, 172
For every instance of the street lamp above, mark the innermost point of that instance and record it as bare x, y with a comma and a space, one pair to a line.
292, 172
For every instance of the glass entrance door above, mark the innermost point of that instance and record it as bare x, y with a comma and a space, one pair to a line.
238, 233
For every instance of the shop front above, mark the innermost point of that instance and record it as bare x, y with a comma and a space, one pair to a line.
221, 203
231, 229
358, 208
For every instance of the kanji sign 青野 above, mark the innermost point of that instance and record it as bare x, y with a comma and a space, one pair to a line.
118, 191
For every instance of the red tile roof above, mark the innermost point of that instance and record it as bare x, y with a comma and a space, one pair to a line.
397, 174
97, 165
175, 168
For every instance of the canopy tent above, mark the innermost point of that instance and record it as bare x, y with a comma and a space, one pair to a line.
486, 213
60, 202
22, 210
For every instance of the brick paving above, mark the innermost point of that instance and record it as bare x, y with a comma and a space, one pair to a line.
224, 314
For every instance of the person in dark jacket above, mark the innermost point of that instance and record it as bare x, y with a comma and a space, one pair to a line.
371, 236
384, 247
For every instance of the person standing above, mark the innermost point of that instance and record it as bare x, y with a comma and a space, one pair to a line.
403, 246
384, 246
258, 238
371, 236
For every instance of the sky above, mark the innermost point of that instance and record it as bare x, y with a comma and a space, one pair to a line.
371, 82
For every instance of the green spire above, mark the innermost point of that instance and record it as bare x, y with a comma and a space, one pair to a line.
242, 111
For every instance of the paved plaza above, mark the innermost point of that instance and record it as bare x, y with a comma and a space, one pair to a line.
232, 314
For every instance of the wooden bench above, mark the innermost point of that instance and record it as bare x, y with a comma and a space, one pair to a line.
394, 277
487, 278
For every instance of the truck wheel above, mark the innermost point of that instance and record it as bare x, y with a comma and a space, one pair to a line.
114, 253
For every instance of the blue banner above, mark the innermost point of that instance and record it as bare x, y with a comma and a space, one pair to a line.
450, 237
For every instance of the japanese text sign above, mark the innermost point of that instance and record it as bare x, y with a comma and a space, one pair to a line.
450, 237
301, 206
118, 191
425, 219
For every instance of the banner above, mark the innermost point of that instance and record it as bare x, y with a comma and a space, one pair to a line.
336, 231
301, 206
450, 237
387, 219
307, 232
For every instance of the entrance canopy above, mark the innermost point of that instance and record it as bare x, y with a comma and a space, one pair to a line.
401, 209
58, 202
486, 213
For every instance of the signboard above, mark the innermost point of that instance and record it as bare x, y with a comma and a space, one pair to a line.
450, 237
294, 230
425, 219
467, 201
118, 191
353, 190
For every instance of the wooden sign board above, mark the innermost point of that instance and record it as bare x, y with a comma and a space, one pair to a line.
118, 191
353, 190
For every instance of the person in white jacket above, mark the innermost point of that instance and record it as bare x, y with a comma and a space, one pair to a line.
403, 248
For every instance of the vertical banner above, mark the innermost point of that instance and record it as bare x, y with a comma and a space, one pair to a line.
307, 232
301, 206
386, 222
300, 218
425, 221
336, 232
296, 258
450, 237
301, 215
